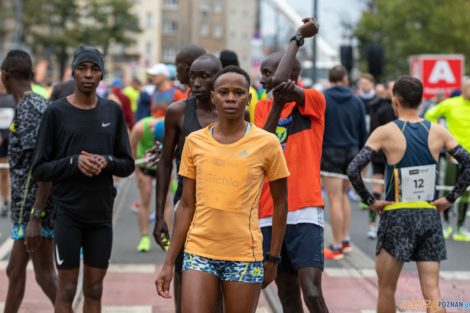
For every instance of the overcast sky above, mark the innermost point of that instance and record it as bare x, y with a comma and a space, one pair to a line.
330, 14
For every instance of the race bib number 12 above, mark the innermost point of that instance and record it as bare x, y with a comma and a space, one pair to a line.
418, 183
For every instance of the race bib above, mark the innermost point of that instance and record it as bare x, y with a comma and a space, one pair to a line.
223, 183
418, 183
6, 117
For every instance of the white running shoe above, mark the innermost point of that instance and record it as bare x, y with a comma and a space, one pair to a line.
372, 233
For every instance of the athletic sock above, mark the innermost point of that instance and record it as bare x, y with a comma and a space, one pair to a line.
336, 248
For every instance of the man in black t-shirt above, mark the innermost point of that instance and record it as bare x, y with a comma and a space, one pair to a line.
82, 143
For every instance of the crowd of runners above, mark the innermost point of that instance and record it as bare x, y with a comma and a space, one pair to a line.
237, 172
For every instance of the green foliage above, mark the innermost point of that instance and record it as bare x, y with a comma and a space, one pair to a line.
60, 26
408, 27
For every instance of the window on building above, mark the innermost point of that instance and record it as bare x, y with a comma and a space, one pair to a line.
217, 6
218, 31
170, 4
169, 54
204, 28
149, 20
148, 50
170, 27
205, 6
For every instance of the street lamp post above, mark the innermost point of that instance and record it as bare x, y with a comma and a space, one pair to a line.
19, 22
314, 45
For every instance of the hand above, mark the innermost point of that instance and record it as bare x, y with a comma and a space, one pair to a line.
98, 158
282, 93
270, 273
378, 206
160, 232
154, 154
441, 204
309, 29
88, 165
163, 281
33, 238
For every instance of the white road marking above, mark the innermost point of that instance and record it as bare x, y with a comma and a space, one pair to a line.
458, 275
5, 248
132, 268
128, 309
356, 273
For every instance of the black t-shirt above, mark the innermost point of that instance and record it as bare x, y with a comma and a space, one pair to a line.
64, 133
7, 111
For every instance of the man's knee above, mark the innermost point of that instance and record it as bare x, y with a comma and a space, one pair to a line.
93, 291
16, 271
67, 291
45, 278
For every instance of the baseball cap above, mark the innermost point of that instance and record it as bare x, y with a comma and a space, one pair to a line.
159, 69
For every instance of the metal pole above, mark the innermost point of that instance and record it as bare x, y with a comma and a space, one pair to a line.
19, 23
314, 45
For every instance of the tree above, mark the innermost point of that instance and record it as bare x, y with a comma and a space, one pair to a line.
407, 27
57, 27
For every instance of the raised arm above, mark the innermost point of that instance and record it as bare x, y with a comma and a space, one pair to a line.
164, 168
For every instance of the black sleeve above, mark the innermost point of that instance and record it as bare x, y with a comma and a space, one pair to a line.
45, 168
463, 157
359, 162
121, 162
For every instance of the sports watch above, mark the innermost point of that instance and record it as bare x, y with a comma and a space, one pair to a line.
299, 40
369, 200
38, 213
273, 259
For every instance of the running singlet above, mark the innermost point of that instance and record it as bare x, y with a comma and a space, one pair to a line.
229, 178
162, 99
417, 170
190, 124
147, 141
300, 131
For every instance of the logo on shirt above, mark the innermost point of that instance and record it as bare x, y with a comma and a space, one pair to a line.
243, 153
222, 180
105, 124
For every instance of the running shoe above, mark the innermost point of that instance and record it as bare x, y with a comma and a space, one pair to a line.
461, 235
447, 229
4, 209
144, 244
134, 207
346, 246
363, 206
331, 253
353, 196
372, 233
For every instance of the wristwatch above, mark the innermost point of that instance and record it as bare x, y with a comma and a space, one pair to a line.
38, 213
273, 259
369, 200
299, 40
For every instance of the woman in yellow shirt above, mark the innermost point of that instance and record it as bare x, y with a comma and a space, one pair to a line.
224, 166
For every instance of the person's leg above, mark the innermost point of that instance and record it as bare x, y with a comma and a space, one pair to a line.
66, 289
288, 290
93, 288
16, 272
177, 281
429, 281
43, 263
334, 190
145, 188
240, 297
388, 270
310, 283
346, 210
199, 291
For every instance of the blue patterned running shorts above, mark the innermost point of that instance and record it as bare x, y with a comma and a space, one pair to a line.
19, 231
246, 272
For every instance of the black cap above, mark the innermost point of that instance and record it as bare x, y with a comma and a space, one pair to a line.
87, 54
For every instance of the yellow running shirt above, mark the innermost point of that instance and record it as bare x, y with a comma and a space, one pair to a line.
229, 178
